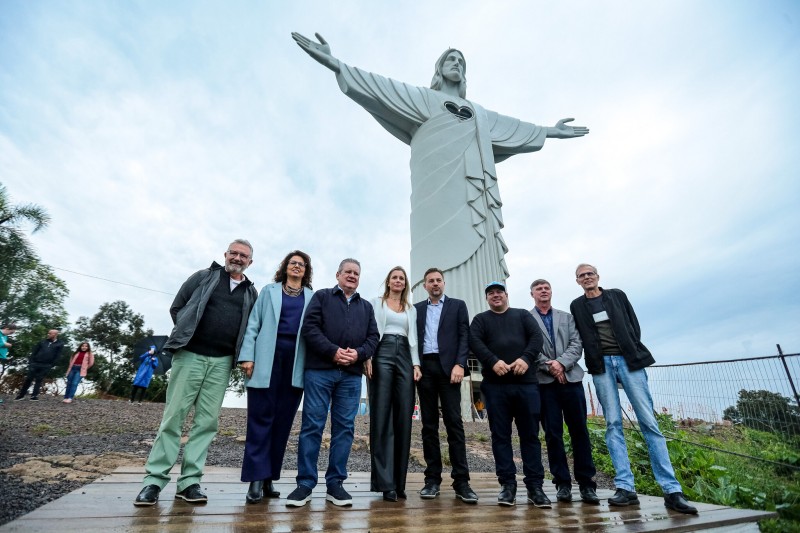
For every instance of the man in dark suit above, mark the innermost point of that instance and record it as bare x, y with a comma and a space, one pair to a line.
443, 333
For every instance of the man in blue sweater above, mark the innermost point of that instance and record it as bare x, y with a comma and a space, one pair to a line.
341, 333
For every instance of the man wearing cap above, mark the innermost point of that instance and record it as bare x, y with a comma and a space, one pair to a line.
507, 342
563, 400
615, 355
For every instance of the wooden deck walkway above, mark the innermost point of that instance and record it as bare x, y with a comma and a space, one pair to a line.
107, 505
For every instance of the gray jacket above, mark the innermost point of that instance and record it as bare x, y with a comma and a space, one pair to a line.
191, 300
567, 349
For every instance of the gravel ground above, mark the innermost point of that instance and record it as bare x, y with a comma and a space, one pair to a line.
48, 449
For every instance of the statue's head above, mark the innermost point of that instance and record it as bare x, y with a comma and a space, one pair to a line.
449, 56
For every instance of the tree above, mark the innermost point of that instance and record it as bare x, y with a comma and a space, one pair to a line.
18, 255
113, 332
35, 303
765, 411
31, 295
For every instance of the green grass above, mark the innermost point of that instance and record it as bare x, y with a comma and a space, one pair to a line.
720, 478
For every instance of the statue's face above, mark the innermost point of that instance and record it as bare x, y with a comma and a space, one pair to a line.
453, 67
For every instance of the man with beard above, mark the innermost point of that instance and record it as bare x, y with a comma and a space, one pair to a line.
507, 342
210, 314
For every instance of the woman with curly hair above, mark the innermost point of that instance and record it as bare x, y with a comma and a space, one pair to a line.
272, 357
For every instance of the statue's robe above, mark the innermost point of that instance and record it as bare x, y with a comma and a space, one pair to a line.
455, 203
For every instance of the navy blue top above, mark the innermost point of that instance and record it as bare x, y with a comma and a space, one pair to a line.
333, 322
291, 312
547, 320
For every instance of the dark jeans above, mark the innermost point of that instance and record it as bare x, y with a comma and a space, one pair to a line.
270, 413
560, 404
520, 403
36, 374
137, 390
435, 386
391, 403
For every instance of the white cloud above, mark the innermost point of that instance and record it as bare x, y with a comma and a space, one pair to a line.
155, 134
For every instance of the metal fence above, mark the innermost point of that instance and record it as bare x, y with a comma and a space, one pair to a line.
758, 392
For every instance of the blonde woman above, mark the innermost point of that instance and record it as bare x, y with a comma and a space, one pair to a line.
392, 372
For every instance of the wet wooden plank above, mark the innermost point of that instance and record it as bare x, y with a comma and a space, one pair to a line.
107, 505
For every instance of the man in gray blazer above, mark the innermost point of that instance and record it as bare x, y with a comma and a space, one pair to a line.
562, 396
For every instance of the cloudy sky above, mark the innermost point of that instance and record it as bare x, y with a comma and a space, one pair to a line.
155, 132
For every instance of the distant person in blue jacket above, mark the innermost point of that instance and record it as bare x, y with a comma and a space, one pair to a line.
149, 362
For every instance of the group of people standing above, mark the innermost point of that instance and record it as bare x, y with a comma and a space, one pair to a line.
44, 356
294, 344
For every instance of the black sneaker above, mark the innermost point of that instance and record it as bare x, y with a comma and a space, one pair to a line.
148, 496
34, 398
677, 502
19, 396
465, 493
299, 497
623, 497
507, 496
589, 495
537, 497
429, 491
564, 493
338, 496
192, 494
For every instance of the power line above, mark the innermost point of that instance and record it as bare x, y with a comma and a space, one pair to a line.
112, 281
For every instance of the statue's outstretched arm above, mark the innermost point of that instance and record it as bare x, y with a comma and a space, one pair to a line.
562, 131
321, 51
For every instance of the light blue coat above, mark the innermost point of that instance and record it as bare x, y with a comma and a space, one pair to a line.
261, 335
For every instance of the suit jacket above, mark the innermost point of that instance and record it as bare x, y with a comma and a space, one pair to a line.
453, 335
567, 349
261, 336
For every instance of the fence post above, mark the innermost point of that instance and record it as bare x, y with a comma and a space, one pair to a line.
788, 375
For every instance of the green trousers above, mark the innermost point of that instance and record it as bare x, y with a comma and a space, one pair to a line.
195, 381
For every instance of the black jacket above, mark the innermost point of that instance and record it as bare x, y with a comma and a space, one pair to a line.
624, 324
46, 352
453, 334
190, 302
331, 323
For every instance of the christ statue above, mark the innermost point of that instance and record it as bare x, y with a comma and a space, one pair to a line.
455, 143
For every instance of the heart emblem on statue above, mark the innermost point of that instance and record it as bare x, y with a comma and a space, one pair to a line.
463, 112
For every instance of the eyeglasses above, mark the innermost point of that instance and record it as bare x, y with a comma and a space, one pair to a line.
297, 263
238, 254
587, 275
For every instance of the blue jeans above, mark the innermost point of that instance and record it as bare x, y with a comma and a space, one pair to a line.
634, 383
73, 380
341, 391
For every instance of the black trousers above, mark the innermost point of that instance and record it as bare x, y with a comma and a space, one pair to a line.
567, 403
435, 386
137, 390
391, 399
36, 374
517, 402
270, 414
